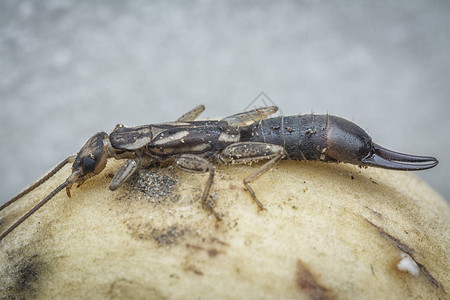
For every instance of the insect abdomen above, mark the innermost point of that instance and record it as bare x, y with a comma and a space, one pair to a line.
304, 137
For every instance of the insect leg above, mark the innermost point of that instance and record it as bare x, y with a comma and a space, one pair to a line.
248, 152
193, 163
192, 114
50, 174
125, 172
251, 116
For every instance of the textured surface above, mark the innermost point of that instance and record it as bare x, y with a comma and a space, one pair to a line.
71, 68
329, 231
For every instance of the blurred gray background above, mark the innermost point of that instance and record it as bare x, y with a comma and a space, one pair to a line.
71, 68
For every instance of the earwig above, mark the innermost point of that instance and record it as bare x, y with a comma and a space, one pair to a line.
241, 138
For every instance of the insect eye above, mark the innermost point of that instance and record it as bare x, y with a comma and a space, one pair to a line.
88, 164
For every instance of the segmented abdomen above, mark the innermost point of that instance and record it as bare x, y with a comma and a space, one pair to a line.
304, 137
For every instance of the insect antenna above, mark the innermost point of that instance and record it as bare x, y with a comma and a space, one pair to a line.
34, 209
40, 181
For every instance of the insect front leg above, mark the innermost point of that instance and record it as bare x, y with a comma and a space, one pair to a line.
125, 172
197, 164
248, 152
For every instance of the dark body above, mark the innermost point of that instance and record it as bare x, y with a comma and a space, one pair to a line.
240, 138
310, 137
302, 137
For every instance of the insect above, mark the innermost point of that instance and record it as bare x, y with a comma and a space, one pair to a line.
241, 138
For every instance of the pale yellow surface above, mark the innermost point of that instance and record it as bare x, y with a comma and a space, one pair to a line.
324, 235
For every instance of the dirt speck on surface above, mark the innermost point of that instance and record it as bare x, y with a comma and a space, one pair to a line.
308, 283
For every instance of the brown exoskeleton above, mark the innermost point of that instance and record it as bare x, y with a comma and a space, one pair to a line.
241, 138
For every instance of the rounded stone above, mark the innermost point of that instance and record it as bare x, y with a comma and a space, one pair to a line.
328, 231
